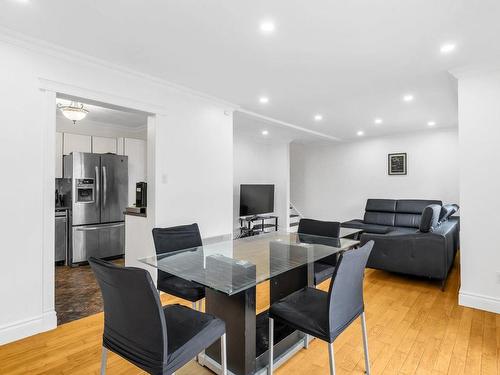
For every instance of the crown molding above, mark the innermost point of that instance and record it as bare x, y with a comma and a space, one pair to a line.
476, 70
45, 48
288, 125
39, 46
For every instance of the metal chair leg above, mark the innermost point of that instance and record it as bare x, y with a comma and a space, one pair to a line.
332, 359
365, 344
104, 357
223, 357
271, 346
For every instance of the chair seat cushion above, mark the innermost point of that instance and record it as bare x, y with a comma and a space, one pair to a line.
322, 272
367, 228
305, 310
189, 332
181, 288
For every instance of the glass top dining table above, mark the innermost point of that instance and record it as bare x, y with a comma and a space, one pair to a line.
232, 266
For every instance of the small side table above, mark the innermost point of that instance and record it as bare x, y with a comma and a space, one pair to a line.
251, 226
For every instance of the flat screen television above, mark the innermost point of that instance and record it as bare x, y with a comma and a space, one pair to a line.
256, 199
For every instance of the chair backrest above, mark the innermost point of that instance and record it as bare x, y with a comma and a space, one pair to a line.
134, 322
346, 289
176, 238
319, 228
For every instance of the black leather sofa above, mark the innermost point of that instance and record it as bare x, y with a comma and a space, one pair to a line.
415, 237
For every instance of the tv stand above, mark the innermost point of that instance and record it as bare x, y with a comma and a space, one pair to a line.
254, 225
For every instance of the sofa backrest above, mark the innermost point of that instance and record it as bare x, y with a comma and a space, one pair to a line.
380, 211
396, 212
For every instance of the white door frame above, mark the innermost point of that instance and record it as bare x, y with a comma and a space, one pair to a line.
49, 89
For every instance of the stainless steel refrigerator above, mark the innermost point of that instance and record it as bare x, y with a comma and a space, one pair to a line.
100, 194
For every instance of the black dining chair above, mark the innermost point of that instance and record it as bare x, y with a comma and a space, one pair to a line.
324, 268
171, 239
325, 315
157, 339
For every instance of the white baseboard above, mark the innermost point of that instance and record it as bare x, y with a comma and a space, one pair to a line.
28, 327
479, 301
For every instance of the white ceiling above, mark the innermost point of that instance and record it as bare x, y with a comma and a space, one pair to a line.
351, 60
109, 116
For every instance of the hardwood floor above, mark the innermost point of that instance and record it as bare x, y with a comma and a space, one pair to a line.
413, 328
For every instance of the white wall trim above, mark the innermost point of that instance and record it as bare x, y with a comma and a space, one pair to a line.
36, 45
475, 70
48, 319
28, 327
48, 206
87, 93
108, 126
479, 301
287, 124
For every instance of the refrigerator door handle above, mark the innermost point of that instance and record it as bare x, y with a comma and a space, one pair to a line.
84, 229
105, 185
97, 185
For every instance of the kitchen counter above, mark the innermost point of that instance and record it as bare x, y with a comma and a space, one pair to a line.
135, 214
63, 208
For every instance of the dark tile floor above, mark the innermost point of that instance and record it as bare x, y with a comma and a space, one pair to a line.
77, 293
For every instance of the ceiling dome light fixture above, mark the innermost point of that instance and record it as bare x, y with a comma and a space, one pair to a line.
318, 117
265, 132
431, 123
74, 111
360, 133
378, 121
264, 99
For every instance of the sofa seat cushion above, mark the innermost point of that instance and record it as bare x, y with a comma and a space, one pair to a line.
368, 228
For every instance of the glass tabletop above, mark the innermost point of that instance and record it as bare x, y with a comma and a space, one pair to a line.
235, 265
345, 232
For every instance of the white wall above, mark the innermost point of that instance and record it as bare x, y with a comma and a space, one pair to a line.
262, 163
192, 146
333, 181
479, 132
194, 160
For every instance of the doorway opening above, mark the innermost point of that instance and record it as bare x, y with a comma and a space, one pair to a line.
100, 163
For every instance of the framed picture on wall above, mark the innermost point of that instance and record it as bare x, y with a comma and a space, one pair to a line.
397, 164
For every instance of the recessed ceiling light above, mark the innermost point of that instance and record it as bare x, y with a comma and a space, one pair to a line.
267, 27
264, 99
447, 48
378, 121
360, 133
265, 132
431, 123
408, 97
318, 117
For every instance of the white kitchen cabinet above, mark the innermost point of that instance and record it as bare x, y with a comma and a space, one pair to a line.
77, 143
136, 150
103, 145
59, 154
120, 146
